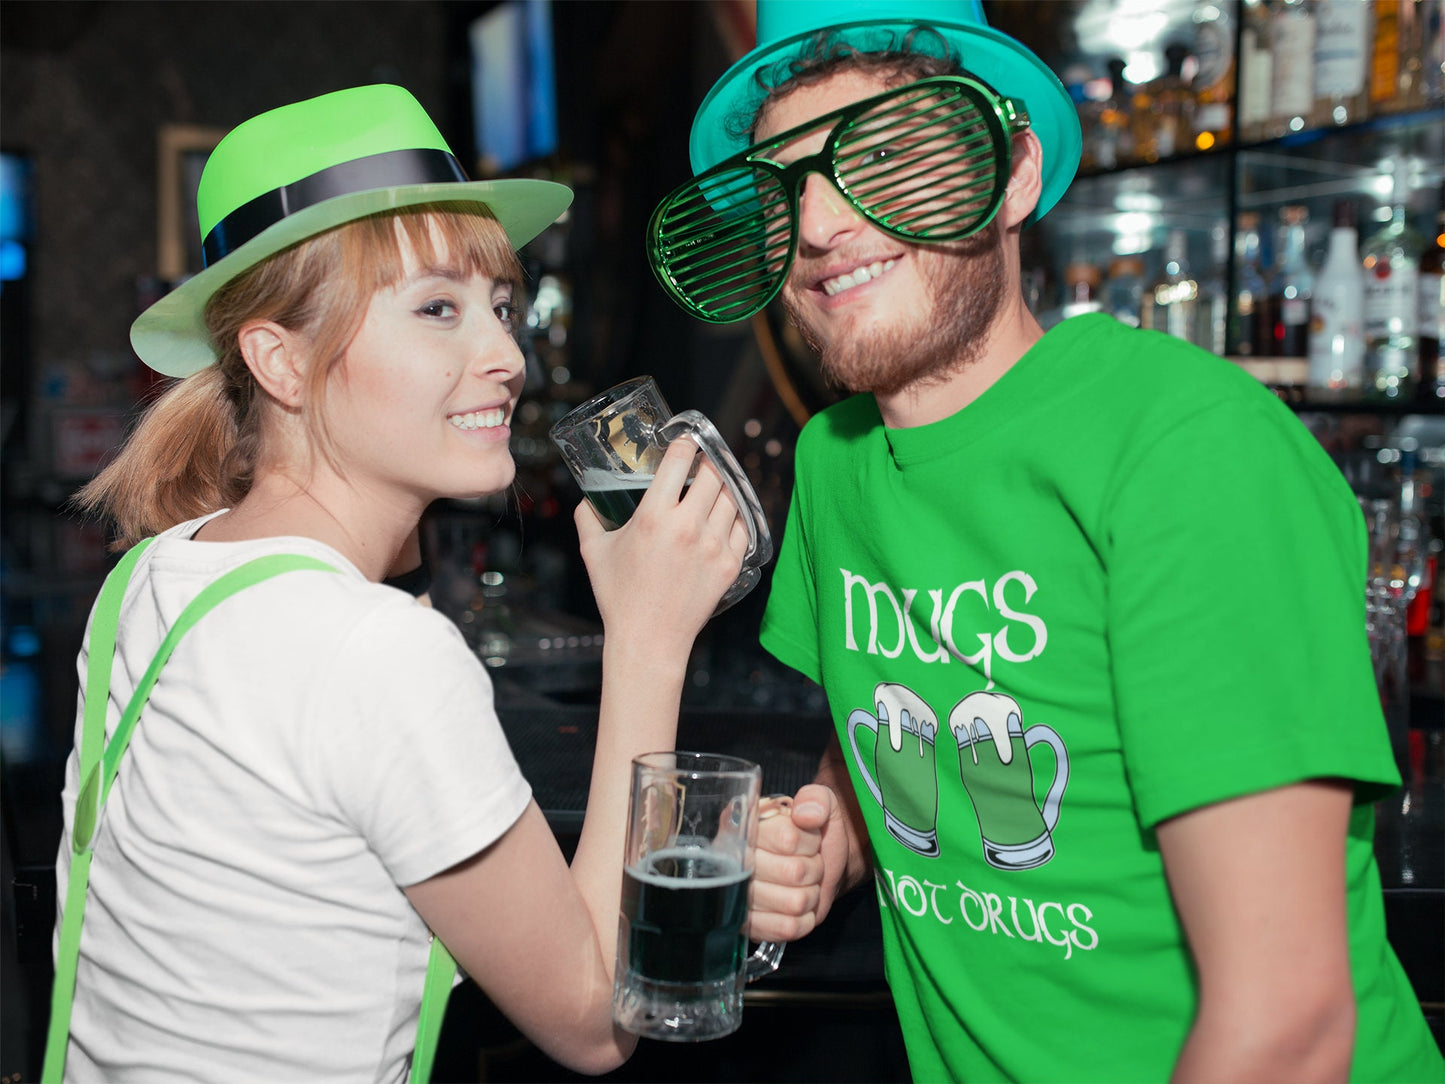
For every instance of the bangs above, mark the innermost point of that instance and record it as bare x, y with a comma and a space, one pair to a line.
461, 238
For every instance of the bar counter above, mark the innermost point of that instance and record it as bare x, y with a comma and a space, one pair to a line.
826, 1014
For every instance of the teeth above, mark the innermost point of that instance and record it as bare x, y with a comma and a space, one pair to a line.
479, 419
857, 277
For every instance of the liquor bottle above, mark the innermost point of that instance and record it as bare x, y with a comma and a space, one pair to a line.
1410, 87
1391, 259
1431, 315
1163, 110
1081, 289
1124, 289
1341, 62
1293, 285
1385, 56
1253, 334
1416, 563
1256, 72
1213, 81
1088, 108
1337, 315
1292, 97
1433, 55
1212, 315
1413, 537
1140, 118
1113, 139
1172, 299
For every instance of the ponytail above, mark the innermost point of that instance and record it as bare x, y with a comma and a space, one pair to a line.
184, 459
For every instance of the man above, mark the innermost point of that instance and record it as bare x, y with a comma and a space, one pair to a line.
1088, 606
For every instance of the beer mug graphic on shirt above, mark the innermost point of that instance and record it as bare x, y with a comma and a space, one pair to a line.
995, 765
903, 779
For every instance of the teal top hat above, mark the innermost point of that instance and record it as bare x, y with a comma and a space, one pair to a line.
297, 171
785, 28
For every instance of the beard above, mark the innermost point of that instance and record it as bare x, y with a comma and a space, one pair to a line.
965, 287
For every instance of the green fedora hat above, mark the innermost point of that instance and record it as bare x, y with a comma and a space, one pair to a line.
297, 171
786, 27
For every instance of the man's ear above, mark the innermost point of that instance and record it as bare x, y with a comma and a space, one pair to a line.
1025, 180
276, 359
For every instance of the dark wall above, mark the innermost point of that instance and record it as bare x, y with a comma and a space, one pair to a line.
87, 85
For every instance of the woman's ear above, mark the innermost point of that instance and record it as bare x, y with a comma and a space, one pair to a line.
276, 359
1025, 180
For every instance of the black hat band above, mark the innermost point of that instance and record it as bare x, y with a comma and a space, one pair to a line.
389, 169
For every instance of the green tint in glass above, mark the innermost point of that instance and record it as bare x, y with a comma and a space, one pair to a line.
928, 161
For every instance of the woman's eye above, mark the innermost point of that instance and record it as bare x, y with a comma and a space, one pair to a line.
506, 312
438, 308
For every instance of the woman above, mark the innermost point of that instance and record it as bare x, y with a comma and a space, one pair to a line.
319, 777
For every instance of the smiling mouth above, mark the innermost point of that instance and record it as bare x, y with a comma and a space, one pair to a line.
857, 277
479, 419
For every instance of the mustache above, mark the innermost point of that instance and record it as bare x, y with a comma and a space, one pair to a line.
812, 268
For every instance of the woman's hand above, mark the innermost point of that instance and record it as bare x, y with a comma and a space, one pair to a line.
663, 572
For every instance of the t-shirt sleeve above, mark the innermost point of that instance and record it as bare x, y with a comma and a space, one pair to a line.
790, 622
418, 763
1236, 618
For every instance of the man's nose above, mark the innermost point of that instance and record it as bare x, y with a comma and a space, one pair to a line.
825, 217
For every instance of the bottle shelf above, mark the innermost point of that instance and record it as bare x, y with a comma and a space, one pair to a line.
1385, 408
1131, 210
1425, 125
1288, 376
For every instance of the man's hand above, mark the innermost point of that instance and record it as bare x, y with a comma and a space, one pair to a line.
801, 865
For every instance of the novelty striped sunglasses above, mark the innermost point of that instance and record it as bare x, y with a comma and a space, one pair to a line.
927, 161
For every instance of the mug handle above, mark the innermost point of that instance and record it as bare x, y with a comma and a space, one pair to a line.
769, 954
858, 718
697, 425
764, 960
1032, 737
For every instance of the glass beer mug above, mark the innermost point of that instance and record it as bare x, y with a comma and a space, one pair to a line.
682, 950
613, 443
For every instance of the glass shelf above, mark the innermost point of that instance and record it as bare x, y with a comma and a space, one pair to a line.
1315, 168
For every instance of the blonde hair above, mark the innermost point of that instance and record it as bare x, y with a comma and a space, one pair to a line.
196, 449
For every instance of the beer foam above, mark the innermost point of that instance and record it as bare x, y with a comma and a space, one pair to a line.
597, 480
993, 711
734, 870
897, 701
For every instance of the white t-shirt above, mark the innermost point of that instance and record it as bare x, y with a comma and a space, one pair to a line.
315, 742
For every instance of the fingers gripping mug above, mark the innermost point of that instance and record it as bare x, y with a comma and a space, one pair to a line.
613, 444
682, 952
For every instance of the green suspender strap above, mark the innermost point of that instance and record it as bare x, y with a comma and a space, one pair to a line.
100, 760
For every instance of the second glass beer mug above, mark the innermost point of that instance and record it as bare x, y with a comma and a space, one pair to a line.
682, 951
613, 443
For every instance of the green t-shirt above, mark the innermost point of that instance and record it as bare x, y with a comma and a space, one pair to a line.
1133, 560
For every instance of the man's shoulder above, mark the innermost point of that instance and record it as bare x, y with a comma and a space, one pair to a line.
1129, 363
